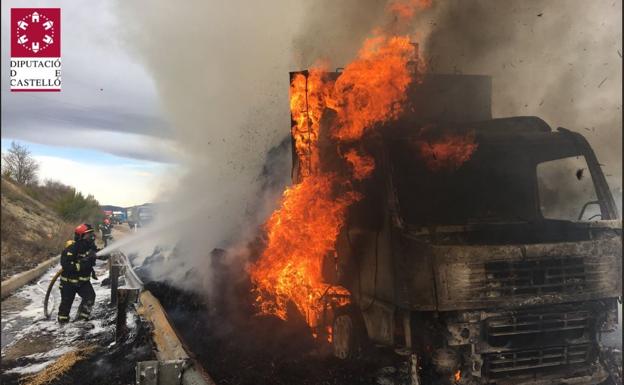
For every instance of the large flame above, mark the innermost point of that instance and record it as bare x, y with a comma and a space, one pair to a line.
372, 88
302, 232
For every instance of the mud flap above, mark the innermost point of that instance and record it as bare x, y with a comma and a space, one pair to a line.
414, 375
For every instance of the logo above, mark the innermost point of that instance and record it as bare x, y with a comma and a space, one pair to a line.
35, 49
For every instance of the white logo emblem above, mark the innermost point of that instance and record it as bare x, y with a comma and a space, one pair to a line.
35, 20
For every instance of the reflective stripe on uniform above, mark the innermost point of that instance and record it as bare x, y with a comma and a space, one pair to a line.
69, 280
63, 317
68, 253
84, 278
77, 266
84, 315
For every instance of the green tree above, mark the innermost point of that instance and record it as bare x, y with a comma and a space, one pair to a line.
72, 206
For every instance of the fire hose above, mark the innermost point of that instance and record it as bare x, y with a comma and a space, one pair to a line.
47, 296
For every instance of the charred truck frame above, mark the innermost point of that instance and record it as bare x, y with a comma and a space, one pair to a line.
475, 270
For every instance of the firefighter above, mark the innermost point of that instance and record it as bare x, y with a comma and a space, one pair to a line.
106, 230
77, 261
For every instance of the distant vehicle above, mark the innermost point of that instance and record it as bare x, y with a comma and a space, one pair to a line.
140, 215
118, 217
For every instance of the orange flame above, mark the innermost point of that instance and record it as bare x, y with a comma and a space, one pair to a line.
300, 233
448, 152
405, 9
457, 376
303, 230
307, 103
363, 165
372, 88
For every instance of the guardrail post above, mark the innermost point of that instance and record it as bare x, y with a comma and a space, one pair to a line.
123, 298
115, 269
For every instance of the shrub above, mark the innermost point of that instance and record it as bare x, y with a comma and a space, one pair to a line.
70, 205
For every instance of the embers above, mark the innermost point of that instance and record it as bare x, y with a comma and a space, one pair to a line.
515, 363
526, 329
535, 277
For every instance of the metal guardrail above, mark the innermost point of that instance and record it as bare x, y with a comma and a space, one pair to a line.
125, 294
174, 365
132, 280
123, 276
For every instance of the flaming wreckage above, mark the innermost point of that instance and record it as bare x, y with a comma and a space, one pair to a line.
488, 251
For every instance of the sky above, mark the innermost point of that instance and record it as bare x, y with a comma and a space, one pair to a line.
104, 133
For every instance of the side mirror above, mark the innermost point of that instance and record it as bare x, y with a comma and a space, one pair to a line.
580, 217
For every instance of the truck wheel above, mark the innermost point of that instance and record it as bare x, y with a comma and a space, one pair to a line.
346, 335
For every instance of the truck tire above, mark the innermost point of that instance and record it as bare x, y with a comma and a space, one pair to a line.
348, 334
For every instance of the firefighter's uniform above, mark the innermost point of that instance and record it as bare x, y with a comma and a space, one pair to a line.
77, 260
106, 229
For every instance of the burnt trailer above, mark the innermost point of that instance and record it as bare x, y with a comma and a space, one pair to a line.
504, 270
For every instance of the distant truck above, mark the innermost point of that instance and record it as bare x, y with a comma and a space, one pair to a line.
140, 215
118, 217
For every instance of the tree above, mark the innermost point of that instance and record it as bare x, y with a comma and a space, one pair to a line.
19, 165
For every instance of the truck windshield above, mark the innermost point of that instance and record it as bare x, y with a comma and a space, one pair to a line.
497, 183
565, 186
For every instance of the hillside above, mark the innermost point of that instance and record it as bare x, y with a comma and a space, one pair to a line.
30, 231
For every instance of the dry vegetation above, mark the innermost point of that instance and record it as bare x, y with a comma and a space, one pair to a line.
60, 367
30, 231
37, 217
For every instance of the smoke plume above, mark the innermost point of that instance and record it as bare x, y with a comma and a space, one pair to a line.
221, 71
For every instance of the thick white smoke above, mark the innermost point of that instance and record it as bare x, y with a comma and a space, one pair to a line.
221, 69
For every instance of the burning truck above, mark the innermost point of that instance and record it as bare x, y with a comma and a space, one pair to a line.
487, 250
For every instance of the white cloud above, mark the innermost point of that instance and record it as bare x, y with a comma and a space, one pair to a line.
123, 185
108, 101
127, 145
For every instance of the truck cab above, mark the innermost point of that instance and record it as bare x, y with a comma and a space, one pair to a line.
140, 216
488, 249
